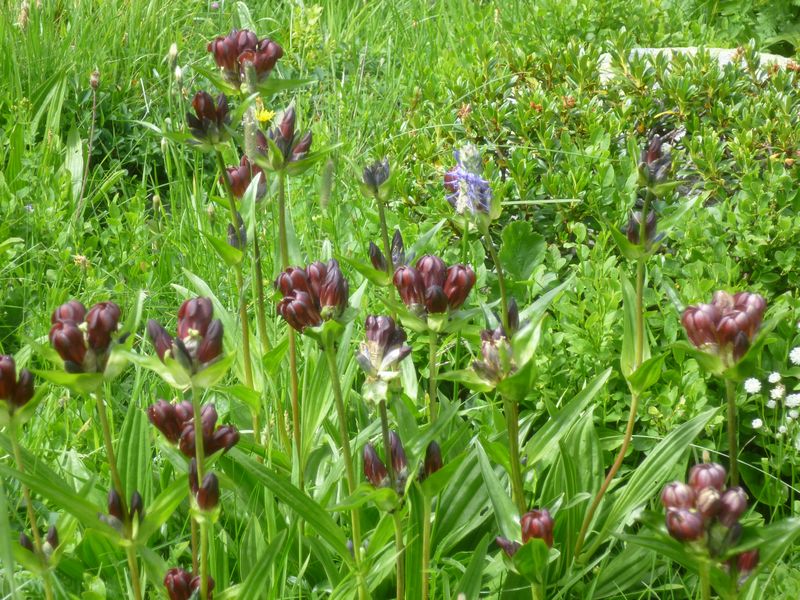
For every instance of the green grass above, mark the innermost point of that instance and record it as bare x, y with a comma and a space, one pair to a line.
411, 80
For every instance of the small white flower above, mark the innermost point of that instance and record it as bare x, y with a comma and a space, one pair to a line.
774, 377
782, 429
797, 443
794, 414
757, 423
777, 392
792, 401
789, 418
752, 386
794, 355
770, 403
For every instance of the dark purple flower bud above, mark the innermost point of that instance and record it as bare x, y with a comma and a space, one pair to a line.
294, 279
24, 389
733, 503
208, 494
208, 123
707, 475
730, 326
376, 174
101, 322
458, 284
8, 377
211, 346
654, 163
374, 469
194, 315
72, 311
160, 338
179, 584
26, 542
299, 311
740, 345
137, 506
163, 416
68, 341
433, 461
409, 285
380, 331
509, 547
633, 230
334, 293
224, 438
239, 178
262, 58
317, 273
677, 495
708, 503
184, 412
397, 453
537, 524
194, 485
115, 505
746, 562
301, 148
52, 537
237, 238
376, 257
684, 525
432, 270
700, 323
435, 300
286, 127
398, 249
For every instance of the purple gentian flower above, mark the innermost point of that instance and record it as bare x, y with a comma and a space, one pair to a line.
468, 191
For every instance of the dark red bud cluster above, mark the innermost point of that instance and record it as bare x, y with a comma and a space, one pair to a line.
14, 389
634, 229
433, 286
292, 149
26, 542
537, 524
206, 493
117, 512
181, 585
693, 509
239, 178
209, 122
83, 339
654, 163
312, 295
374, 469
199, 339
176, 422
376, 174
727, 325
240, 48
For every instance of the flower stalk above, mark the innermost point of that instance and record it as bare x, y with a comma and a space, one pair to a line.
199, 455
501, 279
330, 356
248, 363
398, 524
511, 409
730, 394
432, 352
426, 546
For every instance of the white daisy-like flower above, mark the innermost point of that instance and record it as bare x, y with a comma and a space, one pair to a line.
770, 403
777, 392
794, 414
752, 385
792, 401
757, 423
789, 418
782, 429
794, 355
774, 377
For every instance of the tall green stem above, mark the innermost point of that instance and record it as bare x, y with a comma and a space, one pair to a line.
426, 546
258, 275
432, 351
248, 363
398, 525
626, 440
387, 248
730, 393
200, 457
330, 356
501, 278
26, 495
705, 581
117, 483
511, 409
294, 384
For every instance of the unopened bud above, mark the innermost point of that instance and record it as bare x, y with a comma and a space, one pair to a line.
433, 460
684, 525
677, 495
94, 79
208, 493
52, 537
537, 524
374, 469
707, 475
733, 503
